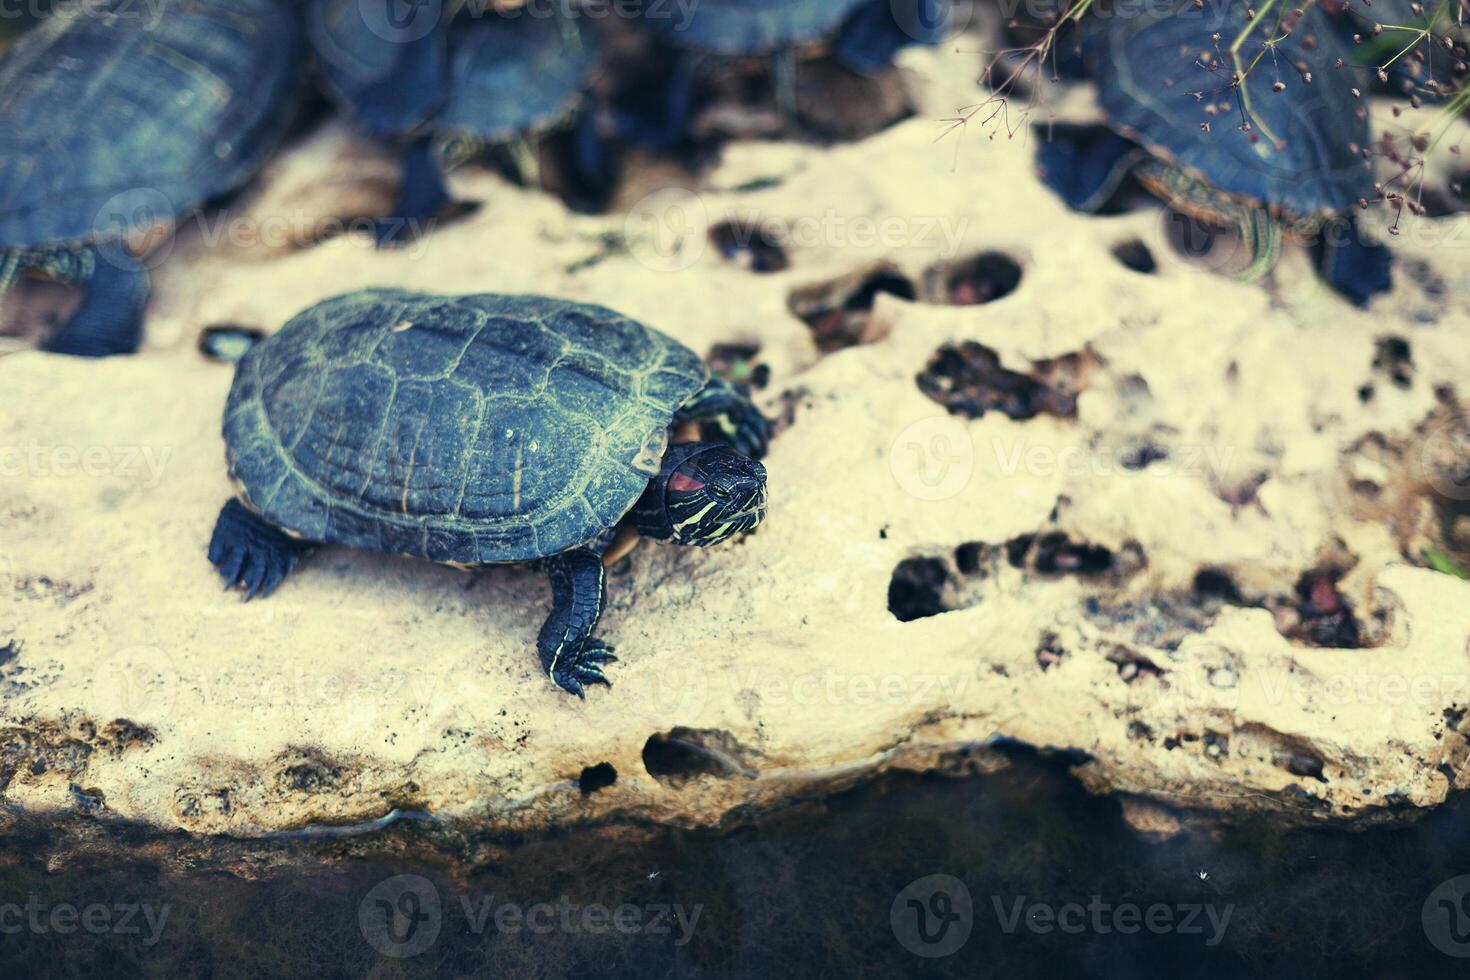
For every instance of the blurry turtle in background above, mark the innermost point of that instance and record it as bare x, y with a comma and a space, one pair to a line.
1286, 152
1385, 36
119, 118
860, 36
453, 79
477, 430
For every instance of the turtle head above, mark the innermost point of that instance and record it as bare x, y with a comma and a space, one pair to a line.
704, 493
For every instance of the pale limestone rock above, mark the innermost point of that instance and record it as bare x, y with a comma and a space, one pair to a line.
372, 683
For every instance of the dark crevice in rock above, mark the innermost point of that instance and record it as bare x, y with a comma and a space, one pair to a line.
839, 313
969, 381
752, 245
984, 278
916, 589
682, 754
1135, 255
927, 585
597, 777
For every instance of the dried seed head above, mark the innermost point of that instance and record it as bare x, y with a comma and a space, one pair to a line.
1278, 87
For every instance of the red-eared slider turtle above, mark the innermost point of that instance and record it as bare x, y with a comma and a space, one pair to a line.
1283, 152
117, 118
862, 35
455, 78
479, 430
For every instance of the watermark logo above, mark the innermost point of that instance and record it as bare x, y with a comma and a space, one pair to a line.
130, 213
1445, 460
1446, 917
932, 916
138, 682
400, 21
667, 230
933, 459
401, 917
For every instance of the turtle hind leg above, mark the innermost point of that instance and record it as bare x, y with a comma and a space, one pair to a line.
1086, 166
1357, 268
250, 553
421, 198
871, 37
110, 319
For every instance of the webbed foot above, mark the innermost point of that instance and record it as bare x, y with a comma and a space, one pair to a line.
581, 664
251, 554
110, 319
726, 414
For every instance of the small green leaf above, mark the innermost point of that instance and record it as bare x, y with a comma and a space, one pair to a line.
1441, 562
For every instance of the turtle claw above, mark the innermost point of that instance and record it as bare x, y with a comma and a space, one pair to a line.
251, 554
572, 671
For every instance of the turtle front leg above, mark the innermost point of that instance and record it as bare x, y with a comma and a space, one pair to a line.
569, 653
110, 319
251, 553
726, 414
1357, 268
421, 197
869, 40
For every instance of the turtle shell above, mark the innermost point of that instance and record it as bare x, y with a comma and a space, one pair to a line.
500, 72
467, 430
516, 70
117, 119
748, 27
1303, 159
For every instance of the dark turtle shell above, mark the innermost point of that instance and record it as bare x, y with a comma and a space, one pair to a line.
500, 72
1157, 87
466, 430
516, 71
748, 27
123, 115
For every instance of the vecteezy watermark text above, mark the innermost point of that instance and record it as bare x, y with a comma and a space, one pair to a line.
97, 918
404, 915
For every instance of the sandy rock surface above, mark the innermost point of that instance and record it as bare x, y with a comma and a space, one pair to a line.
1275, 439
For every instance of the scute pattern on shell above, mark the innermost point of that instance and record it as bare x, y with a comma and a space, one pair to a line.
473, 429
110, 122
1154, 87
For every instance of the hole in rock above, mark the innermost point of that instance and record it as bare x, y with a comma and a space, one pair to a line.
597, 777
227, 343
840, 313
682, 754
984, 278
970, 381
1318, 614
1394, 359
833, 102
1136, 256
737, 362
1220, 250
751, 245
916, 589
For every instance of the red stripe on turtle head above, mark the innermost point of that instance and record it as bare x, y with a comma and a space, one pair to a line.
684, 484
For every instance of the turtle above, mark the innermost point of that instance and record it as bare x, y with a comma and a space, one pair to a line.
1294, 162
118, 118
478, 430
861, 35
452, 79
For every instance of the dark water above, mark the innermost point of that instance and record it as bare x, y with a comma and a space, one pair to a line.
812, 894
